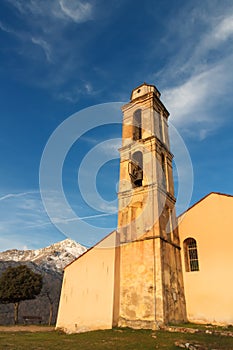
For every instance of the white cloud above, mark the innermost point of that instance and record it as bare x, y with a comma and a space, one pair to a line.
5, 28
10, 195
23, 221
219, 32
224, 29
75, 93
78, 11
190, 97
89, 88
111, 209
15, 195
54, 201
59, 220
24, 37
195, 101
45, 47
204, 79
183, 99
47, 24
111, 147
73, 10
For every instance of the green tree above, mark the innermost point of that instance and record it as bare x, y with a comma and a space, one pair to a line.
18, 284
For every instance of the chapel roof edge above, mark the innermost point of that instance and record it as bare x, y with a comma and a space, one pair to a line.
203, 198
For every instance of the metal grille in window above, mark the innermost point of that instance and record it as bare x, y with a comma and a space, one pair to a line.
191, 255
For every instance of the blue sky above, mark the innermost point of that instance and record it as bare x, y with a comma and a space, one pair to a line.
59, 57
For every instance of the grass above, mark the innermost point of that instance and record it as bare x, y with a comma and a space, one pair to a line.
204, 326
116, 339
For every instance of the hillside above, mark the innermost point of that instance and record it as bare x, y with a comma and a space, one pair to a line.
48, 261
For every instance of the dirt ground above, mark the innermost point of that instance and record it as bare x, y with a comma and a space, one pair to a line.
26, 328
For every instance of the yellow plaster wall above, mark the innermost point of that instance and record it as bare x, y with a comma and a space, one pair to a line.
87, 294
137, 300
208, 292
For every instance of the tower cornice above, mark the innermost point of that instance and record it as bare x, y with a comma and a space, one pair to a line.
147, 188
157, 103
130, 146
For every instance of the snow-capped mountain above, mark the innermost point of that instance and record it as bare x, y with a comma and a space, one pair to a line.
48, 261
55, 256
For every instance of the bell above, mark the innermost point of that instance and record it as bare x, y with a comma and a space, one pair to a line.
138, 178
139, 174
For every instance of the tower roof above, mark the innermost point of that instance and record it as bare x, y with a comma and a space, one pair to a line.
144, 89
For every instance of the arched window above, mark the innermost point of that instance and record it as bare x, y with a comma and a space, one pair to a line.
136, 169
191, 255
137, 125
161, 127
164, 172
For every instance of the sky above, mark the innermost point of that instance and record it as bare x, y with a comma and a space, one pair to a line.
66, 67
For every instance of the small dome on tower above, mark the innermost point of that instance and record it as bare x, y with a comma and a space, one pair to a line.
144, 89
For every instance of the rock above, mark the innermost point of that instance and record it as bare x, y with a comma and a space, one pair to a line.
190, 346
179, 344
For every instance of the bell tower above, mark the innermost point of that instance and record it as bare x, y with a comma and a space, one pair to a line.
150, 282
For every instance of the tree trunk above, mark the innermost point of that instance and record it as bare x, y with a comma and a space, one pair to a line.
50, 313
16, 312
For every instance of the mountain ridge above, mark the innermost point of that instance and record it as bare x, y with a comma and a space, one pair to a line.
49, 262
53, 257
